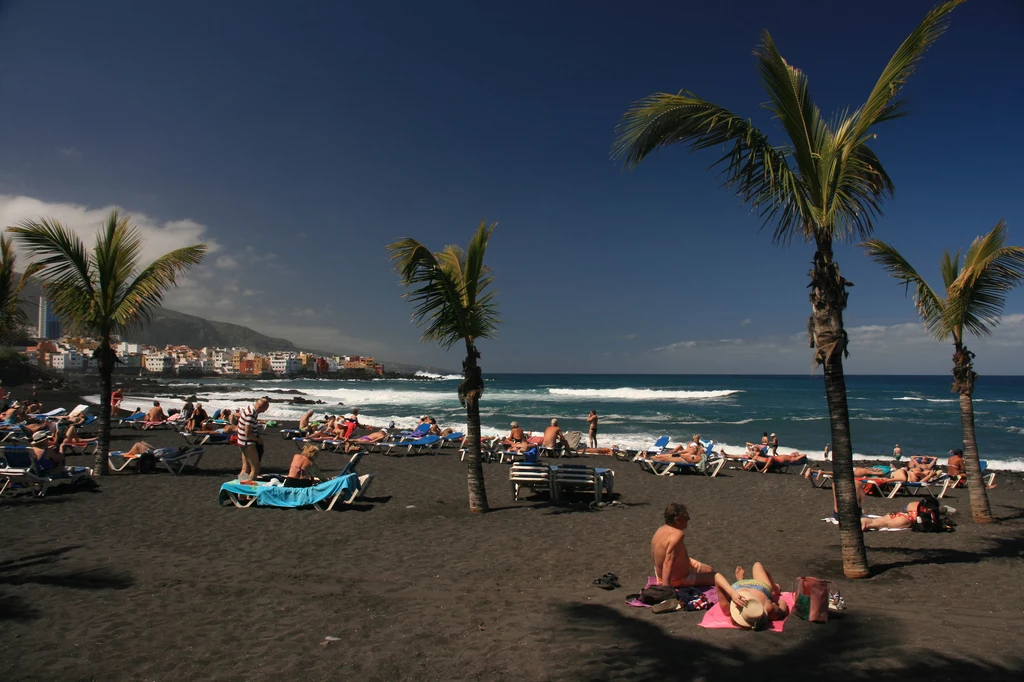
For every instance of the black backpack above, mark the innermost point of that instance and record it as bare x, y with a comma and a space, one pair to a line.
928, 518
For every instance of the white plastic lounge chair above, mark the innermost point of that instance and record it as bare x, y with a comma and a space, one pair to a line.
536, 477
239, 493
18, 465
577, 477
951, 482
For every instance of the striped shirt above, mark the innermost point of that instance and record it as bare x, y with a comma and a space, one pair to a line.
248, 420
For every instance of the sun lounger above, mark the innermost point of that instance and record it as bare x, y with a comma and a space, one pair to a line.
19, 466
951, 482
536, 477
577, 477
780, 466
709, 466
43, 416
418, 445
452, 439
80, 446
176, 460
322, 496
131, 420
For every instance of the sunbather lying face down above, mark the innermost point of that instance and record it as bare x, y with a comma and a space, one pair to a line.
751, 602
672, 564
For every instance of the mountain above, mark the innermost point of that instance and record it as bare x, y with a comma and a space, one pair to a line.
169, 327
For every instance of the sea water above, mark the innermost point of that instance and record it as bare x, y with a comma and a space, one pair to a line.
917, 412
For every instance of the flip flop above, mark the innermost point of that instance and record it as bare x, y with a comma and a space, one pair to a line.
667, 606
608, 581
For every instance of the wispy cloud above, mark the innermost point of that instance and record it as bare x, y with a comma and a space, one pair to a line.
745, 322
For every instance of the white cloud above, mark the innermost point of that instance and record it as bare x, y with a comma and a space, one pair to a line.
745, 322
226, 263
157, 237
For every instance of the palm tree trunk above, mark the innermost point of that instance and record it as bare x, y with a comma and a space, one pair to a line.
470, 391
963, 383
827, 334
105, 364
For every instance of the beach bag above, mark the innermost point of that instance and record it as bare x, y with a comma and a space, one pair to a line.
147, 463
655, 594
811, 596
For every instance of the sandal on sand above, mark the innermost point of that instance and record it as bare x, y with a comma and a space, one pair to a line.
608, 581
667, 606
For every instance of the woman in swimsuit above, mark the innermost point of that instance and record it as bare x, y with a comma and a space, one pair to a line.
903, 519
592, 421
751, 602
304, 471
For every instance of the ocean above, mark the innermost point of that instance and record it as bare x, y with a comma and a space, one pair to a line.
918, 412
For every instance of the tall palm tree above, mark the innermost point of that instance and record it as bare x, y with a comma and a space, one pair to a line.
975, 295
12, 318
825, 186
103, 290
452, 299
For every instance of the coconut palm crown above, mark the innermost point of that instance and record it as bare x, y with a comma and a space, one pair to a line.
12, 318
451, 291
824, 185
102, 290
975, 294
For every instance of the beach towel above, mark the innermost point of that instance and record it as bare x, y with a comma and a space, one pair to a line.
685, 595
279, 496
714, 618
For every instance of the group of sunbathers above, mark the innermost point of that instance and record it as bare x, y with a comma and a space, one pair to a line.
750, 601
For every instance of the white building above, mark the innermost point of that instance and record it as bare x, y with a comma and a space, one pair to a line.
124, 348
285, 364
68, 360
159, 363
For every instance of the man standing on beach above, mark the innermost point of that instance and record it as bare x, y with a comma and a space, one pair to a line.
249, 437
672, 564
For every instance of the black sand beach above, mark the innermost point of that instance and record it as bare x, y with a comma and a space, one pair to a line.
147, 578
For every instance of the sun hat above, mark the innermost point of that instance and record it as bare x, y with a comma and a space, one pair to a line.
40, 436
751, 616
773, 435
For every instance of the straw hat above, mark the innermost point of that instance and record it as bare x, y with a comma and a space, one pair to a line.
40, 436
751, 616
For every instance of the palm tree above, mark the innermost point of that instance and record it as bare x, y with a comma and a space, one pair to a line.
825, 186
12, 317
102, 291
975, 294
452, 300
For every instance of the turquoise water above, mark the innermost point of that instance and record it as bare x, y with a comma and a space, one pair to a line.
917, 412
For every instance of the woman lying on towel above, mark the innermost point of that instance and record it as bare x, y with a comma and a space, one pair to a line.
751, 602
927, 509
304, 470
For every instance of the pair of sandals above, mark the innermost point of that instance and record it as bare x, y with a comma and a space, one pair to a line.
608, 581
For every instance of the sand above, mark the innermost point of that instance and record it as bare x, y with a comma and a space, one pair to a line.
147, 578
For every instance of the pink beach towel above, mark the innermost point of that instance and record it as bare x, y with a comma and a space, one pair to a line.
714, 618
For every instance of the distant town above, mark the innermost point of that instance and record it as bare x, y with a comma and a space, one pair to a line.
55, 351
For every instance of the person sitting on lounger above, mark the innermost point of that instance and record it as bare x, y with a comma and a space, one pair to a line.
751, 602
516, 439
198, 419
304, 422
156, 414
923, 465
691, 453
955, 463
673, 565
139, 448
50, 460
304, 470
554, 438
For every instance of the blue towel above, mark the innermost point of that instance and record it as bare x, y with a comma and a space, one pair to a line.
279, 496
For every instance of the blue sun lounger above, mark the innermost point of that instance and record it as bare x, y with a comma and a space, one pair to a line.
322, 496
418, 445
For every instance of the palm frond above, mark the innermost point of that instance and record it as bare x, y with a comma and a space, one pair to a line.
758, 172
135, 305
857, 183
12, 317
883, 103
990, 271
930, 306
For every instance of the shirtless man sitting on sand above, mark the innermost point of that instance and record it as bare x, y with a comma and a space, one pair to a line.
672, 564
554, 438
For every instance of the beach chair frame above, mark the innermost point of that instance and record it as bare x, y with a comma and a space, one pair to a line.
533, 476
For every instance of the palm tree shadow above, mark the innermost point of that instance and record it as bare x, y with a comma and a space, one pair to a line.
842, 649
1001, 548
32, 570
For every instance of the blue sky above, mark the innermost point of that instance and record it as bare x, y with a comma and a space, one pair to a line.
298, 139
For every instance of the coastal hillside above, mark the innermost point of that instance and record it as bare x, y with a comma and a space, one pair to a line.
169, 327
